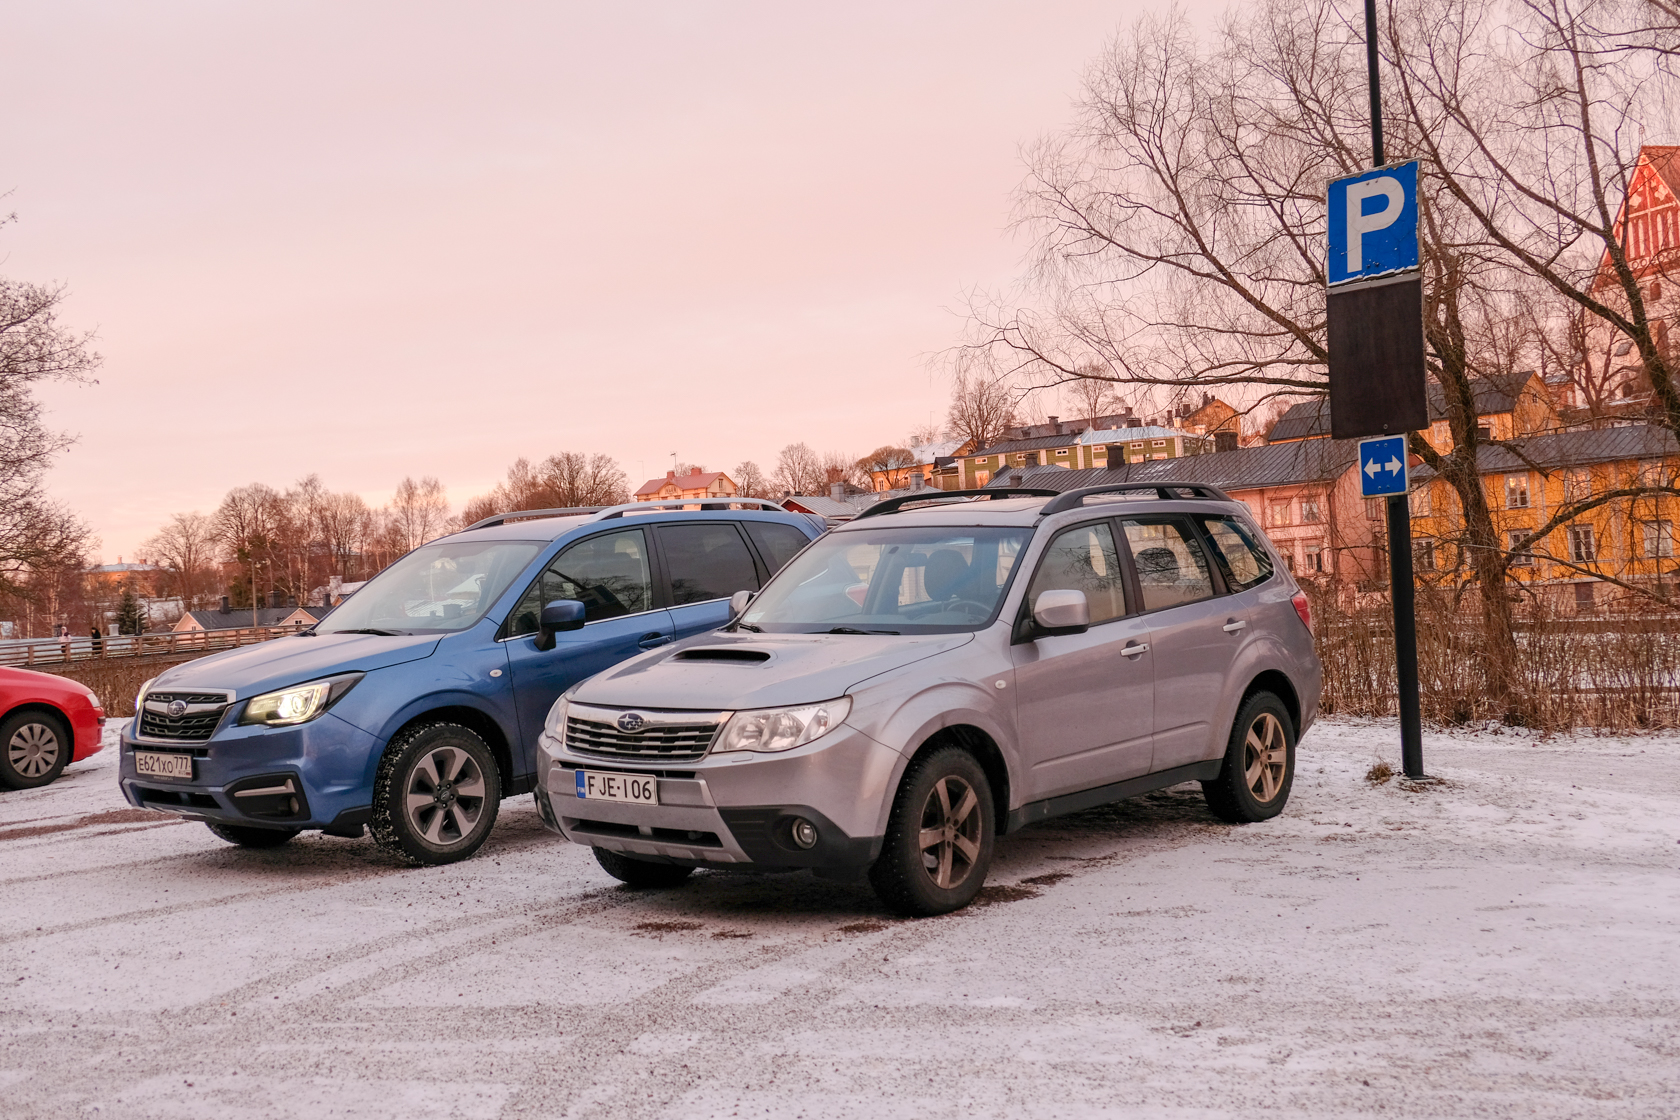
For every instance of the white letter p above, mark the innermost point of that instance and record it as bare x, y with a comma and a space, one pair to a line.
1360, 224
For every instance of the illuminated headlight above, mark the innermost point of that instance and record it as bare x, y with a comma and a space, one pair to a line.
140, 697
781, 729
298, 704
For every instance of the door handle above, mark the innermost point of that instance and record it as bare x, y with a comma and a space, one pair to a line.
1136, 649
1234, 625
653, 640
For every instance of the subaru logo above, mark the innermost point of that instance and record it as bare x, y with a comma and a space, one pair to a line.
177, 709
630, 723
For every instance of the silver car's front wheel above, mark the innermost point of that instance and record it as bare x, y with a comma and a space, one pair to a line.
34, 748
939, 838
437, 793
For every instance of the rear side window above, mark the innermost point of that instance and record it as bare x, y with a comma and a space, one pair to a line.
1172, 569
777, 543
706, 560
1083, 559
1244, 562
608, 574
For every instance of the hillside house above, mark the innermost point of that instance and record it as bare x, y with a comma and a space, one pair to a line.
695, 484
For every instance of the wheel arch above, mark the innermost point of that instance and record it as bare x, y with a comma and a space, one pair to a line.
977, 742
1278, 684
57, 713
476, 720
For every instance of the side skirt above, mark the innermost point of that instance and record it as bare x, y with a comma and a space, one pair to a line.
1034, 811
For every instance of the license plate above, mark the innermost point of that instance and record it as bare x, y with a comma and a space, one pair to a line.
634, 788
150, 764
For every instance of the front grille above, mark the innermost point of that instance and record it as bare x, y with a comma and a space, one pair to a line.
203, 712
660, 736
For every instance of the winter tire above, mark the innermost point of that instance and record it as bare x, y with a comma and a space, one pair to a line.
247, 836
640, 872
35, 747
938, 845
436, 795
1253, 784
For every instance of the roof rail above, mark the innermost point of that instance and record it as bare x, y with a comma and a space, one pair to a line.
1073, 499
721, 502
527, 514
893, 505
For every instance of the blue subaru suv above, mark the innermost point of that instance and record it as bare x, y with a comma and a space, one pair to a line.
415, 706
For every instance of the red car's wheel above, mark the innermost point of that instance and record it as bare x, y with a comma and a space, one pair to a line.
35, 746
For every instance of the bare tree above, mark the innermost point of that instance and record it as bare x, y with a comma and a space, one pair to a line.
35, 532
750, 481
799, 470
562, 481
983, 403
419, 511
185, 548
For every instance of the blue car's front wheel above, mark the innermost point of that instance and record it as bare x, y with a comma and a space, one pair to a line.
436, 795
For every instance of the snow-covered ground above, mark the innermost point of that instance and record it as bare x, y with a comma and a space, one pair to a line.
1504, 945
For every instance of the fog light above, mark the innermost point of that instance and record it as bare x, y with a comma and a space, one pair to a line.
804, 833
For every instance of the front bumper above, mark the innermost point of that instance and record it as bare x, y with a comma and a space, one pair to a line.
736, 809
239, 776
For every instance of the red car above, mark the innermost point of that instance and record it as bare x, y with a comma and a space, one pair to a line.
46, 723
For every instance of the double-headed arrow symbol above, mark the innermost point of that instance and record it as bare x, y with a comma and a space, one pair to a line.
1392, 466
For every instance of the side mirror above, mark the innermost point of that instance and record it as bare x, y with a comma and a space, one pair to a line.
738, 602
562, 614
1062, 612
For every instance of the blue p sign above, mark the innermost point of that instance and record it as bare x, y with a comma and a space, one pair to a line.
1373, 224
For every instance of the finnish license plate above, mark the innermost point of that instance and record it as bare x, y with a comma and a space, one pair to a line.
150, 764
634, 788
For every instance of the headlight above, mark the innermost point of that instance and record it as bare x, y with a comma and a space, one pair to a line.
782, 729
555, 725
298, 704
140, 697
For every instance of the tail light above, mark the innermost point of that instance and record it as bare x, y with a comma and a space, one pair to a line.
1303, 608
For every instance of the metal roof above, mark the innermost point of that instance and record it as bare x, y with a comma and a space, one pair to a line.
1247, 468
1566, 449
1493, 395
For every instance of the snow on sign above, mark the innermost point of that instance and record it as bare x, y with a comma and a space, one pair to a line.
1373, 224
1382, 466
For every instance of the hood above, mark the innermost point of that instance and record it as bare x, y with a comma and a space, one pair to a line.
252, 670
741, 670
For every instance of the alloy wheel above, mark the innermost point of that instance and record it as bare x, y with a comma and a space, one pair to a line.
1265, 757
33, 750
950, 832
444, 797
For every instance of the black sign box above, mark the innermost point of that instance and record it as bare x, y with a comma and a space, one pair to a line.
1376, 359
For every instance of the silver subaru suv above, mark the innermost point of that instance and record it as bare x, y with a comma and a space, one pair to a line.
944, 668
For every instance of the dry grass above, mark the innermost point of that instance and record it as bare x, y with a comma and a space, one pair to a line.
1609, 673
115, 680
1379, 773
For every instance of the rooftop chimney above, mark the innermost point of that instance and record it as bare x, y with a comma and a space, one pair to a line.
670, 474
915, 480
274, 600
837, 491
225, 608
695, 470
1055, 425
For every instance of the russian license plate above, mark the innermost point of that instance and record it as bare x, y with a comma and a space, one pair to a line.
151, 764
634, 788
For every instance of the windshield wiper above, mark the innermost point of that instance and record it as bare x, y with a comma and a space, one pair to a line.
370, 630
850, 630
749, 626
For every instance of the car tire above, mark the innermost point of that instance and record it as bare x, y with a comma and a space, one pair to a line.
249, 836
35, 747
938, 846
436, 795
1253, 784
633, 872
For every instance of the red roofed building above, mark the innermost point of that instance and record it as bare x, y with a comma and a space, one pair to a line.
695, 484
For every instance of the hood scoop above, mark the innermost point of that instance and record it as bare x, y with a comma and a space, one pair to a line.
726, 655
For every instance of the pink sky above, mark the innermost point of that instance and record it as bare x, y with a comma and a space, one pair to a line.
375, 240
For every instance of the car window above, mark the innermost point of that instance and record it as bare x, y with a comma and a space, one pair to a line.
1171, 567
608, 574
1083, 558
706, 560
777, 543
1244, 563
443, 586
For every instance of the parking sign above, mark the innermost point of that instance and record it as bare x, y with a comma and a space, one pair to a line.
1373, 224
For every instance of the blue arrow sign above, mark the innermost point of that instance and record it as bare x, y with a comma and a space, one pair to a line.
1373, 224
1382, 466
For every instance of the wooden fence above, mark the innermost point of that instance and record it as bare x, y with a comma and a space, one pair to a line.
57, 652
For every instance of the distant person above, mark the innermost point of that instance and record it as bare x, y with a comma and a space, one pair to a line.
98, 642
63, 632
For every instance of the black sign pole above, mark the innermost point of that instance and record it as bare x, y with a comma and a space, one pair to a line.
1402, 588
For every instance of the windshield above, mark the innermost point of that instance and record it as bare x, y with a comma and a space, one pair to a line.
445, 586
930, 580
